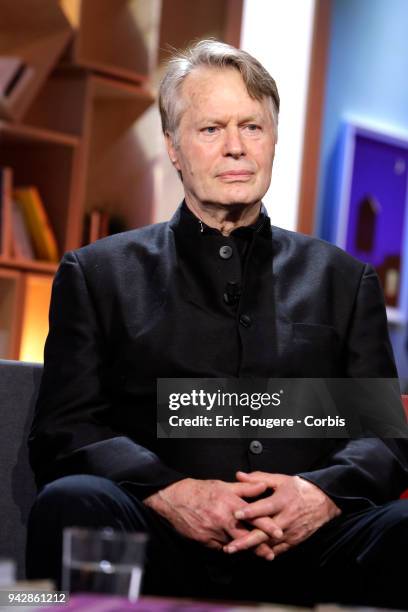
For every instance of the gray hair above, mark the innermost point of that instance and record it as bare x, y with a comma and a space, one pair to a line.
212, 53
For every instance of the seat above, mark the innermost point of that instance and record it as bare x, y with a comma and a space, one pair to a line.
19, 384
405, 404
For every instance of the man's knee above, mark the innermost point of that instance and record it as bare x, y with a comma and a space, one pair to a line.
76, 485
397, 511
76, 493
86, 500
389, 537
393, 519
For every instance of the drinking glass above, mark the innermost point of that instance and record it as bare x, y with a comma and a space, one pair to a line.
102, 561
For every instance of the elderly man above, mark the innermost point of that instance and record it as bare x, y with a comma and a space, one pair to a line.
217, 292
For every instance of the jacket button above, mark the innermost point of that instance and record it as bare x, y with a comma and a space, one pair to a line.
245, 320
225, 252
256, 447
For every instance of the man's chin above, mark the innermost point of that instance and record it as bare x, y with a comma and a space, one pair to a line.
240, 194
230, 202
235, 199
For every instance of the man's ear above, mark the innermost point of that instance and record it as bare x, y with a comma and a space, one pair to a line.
171, 150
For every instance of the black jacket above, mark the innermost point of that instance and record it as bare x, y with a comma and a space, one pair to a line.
150, 303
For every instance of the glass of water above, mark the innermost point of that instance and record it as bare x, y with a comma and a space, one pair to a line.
102, 561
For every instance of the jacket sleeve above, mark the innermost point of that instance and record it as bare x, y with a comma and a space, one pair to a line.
70, 432
366, 471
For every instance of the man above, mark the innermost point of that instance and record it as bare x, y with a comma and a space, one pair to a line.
217, 292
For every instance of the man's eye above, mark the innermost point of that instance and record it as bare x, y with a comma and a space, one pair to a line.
252, 127
210, 130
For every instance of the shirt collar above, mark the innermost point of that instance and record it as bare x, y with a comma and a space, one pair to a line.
184, 219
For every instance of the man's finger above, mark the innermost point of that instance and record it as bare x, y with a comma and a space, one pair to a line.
214, 544
248, 489
265, 551
254, 537
269, 526
255, 474
263, 507
236, 533
280, 548
272, 480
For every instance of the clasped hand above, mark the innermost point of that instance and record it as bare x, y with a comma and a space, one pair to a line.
219, 515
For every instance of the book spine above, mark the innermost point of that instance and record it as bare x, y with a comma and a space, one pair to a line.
6, 186
21, 241
43, 237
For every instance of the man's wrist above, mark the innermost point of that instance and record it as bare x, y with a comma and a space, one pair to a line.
158, 501
332, 509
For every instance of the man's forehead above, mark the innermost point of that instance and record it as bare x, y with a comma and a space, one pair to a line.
225, 115
203, 76
205, 97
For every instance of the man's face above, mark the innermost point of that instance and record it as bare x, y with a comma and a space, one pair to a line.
226, 139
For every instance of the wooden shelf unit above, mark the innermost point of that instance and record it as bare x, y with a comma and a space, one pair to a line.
118, 37
47, 160
82, 129
36, 33
115, 134
10, 315
27, 265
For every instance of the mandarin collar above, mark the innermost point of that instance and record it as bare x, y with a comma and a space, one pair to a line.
185, 221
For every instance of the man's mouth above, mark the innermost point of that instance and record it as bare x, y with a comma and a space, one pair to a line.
236, 174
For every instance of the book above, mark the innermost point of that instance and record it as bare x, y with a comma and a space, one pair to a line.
36, 218
6, 180
94, 225
98, 224
21, 244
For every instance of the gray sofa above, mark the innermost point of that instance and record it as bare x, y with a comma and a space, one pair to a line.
19, 384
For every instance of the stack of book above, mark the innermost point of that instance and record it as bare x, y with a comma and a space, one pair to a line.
25, 228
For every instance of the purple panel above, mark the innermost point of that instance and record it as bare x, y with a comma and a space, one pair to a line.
379, 173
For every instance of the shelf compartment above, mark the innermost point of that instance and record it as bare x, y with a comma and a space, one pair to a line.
47, 160
37, 38
36, 302
59, 105
125, 41
119, 177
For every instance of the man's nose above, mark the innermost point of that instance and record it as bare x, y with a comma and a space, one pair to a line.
234, 145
